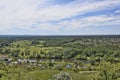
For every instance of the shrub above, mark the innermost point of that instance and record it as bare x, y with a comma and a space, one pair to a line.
62, 76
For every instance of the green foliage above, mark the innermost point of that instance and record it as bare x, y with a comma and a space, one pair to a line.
89, 50
64, 48
108, 71
11, 73
62, 76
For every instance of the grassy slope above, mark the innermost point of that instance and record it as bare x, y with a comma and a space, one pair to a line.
47, 74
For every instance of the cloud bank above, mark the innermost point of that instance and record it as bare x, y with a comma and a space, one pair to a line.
46, 17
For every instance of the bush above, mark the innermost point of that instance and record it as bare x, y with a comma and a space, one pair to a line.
62, 76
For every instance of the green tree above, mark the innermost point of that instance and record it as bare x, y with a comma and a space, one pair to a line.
108, 71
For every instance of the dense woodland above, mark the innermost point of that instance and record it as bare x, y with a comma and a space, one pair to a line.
83, 53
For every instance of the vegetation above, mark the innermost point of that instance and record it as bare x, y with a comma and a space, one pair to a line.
64, 57
62, 76
108, 71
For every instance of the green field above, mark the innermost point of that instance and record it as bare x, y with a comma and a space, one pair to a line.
47, 74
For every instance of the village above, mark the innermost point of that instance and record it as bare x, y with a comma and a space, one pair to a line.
58, 64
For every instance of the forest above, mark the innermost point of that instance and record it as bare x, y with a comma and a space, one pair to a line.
95, 57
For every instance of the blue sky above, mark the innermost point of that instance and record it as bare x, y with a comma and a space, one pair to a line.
59, 17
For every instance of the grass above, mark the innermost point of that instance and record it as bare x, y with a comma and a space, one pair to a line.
41, 75
47, 74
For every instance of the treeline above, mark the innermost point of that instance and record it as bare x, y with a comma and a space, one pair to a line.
61, 48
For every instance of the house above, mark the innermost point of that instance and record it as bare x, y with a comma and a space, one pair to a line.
5, 58
22, 60
69, 66
14, 62
32, 61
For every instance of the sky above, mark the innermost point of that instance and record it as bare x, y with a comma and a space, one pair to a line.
59, 17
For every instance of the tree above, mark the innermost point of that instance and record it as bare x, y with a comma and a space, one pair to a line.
108, 71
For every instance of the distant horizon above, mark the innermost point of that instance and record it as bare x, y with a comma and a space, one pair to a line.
68, 35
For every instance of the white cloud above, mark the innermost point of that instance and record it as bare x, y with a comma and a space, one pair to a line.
58, 12
24, 13
117, 11
48, 27
100, 20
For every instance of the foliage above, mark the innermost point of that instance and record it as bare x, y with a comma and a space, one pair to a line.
90, 51
108, 71
64, 48
62, 76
